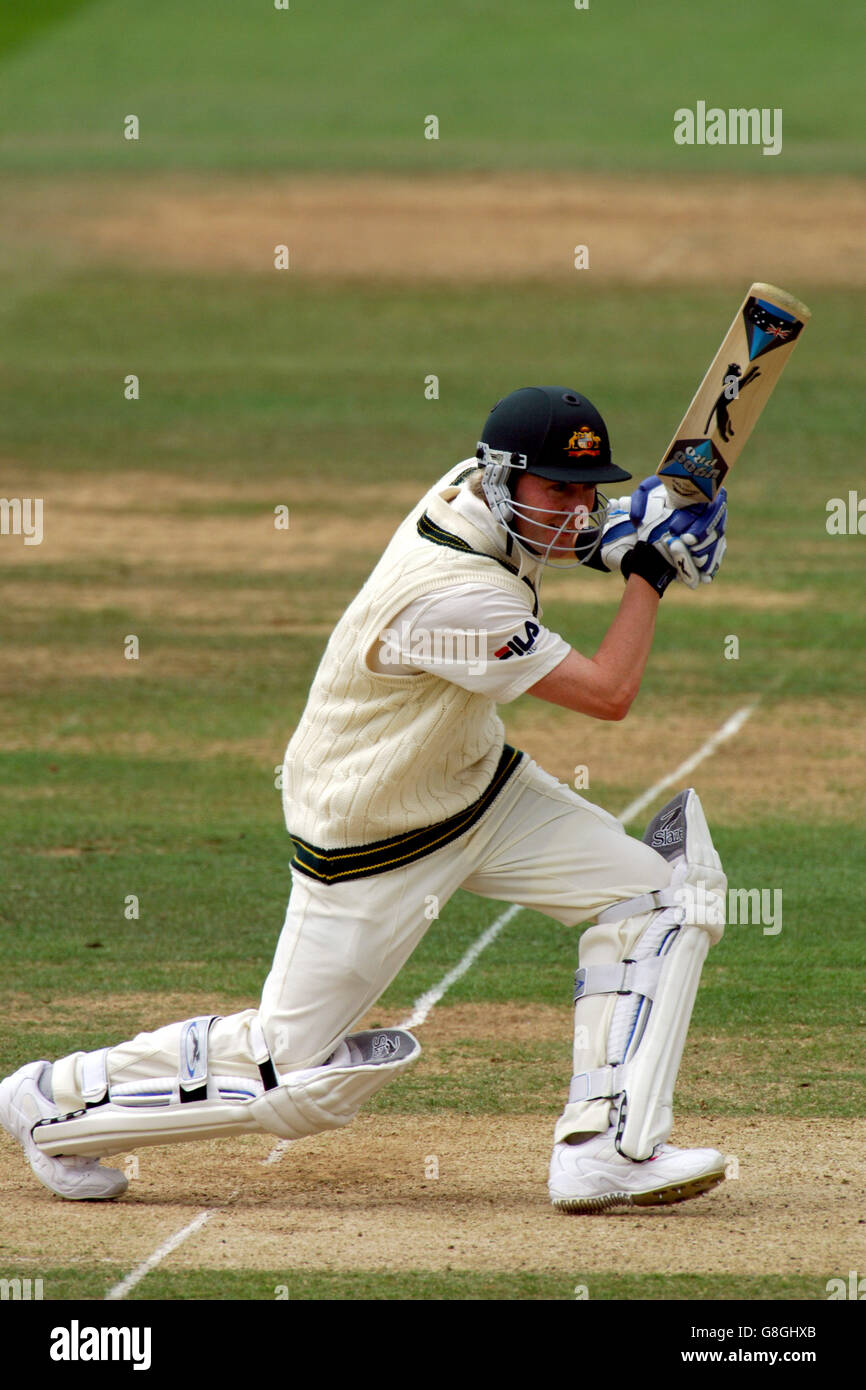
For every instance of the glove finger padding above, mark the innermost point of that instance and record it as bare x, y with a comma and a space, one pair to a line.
647, 515
646, 495
696, 566
697, 522
713, 562
697, 546
680, 557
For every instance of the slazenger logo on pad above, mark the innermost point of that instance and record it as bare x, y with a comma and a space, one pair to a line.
519, 646
668, 834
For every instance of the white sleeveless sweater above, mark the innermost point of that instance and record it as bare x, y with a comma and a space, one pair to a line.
383, 769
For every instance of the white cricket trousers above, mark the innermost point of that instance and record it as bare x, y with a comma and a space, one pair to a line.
539, 845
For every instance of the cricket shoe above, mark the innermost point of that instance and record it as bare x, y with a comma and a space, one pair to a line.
22, 1106
594, 1176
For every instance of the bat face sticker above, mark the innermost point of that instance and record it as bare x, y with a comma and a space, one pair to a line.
730, 392
768, 327
694, 468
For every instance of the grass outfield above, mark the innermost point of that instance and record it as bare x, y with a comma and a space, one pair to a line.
218, 85
278, 381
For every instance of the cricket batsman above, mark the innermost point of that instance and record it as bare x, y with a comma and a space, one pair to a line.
399, 788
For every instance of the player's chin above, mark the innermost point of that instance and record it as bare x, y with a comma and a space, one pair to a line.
564, 541
556, 552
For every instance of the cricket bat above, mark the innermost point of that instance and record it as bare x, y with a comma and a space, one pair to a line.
732, 395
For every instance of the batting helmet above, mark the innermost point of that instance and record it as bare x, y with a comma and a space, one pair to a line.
557, 434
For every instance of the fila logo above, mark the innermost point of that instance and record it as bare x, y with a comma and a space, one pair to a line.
519, 646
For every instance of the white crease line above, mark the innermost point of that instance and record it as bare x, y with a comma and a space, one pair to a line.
729, 728
122, 1289
425, 1002
277, 1152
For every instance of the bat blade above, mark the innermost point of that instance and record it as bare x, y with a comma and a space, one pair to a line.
732, 395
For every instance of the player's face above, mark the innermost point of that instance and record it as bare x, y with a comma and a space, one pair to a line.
569, 502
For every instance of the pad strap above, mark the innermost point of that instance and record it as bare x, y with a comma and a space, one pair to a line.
646, 902
603, 1083
94, 1077
621, 977
192, 1061
262, 1055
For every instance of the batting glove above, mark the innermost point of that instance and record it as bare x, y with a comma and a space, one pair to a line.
690, 539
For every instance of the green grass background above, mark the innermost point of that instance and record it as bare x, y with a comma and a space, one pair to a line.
251, 377
335, 85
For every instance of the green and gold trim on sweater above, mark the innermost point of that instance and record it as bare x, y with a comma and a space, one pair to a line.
430, 530
362, 861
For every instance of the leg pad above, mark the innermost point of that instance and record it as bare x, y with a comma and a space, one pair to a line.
302, 1103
